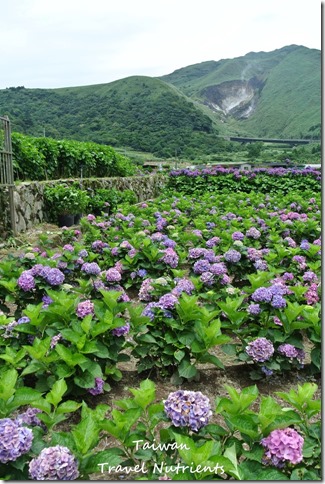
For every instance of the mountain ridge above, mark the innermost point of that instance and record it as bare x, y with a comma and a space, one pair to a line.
261, 94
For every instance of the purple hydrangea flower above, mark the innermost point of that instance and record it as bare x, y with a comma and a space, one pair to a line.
218, 268
311, 295
267, 371
170, 258
254, 254
260, 265
54, 277
291, 351
26, 281
98, 246
157, 237
260, 350
54, 464
98, 388
262, 294
253, 233
254, 309
237, 236
23, 320
98, 284
183, 285
196, 253
283, 446
91, 268
145, 290
36, 270
83, 253
29, 417
15, 440
225, 279
310, 276
168, 301
301, 261
46, 301
148, 310
141, 273
167, 242
84, 308
277, 321
291, 242
55, 340
132, 253
62, 264
207, 278
212, 242
210, 225
304, 245
201, 266
186, 408
288, 276
68, 247
232, 256
122, 330
11, 326
278, 302
211, 257
113, 275
161, 223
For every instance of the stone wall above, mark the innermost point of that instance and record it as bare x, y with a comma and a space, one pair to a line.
29, 203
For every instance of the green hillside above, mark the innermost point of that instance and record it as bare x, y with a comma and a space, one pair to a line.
185, 113
272, 94
141, 112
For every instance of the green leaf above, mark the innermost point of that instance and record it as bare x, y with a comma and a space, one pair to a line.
146, 394
255, 471
24, 396
246, 424
102, 460
57, 392
7, 383
86, 323
179, 355
186, 369
68, 407
86, 434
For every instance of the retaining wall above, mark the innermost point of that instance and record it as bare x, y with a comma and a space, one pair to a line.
29, 204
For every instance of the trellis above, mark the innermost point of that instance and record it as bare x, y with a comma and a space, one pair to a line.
6, 168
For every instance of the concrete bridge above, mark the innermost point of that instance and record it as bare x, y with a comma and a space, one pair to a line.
291, 142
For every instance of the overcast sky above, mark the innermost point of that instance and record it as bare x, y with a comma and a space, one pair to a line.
61, 43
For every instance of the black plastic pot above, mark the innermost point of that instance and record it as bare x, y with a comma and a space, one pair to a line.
65, 220
77, 218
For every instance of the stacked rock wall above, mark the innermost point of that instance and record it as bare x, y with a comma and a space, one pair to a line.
29, 204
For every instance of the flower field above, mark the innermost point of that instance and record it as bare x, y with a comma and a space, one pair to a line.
171, 286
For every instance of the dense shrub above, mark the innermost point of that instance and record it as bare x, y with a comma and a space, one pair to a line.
264, 180
46, 158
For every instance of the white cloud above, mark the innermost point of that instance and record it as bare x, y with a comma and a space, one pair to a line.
77, 42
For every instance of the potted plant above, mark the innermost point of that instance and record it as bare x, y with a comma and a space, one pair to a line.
64, 202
